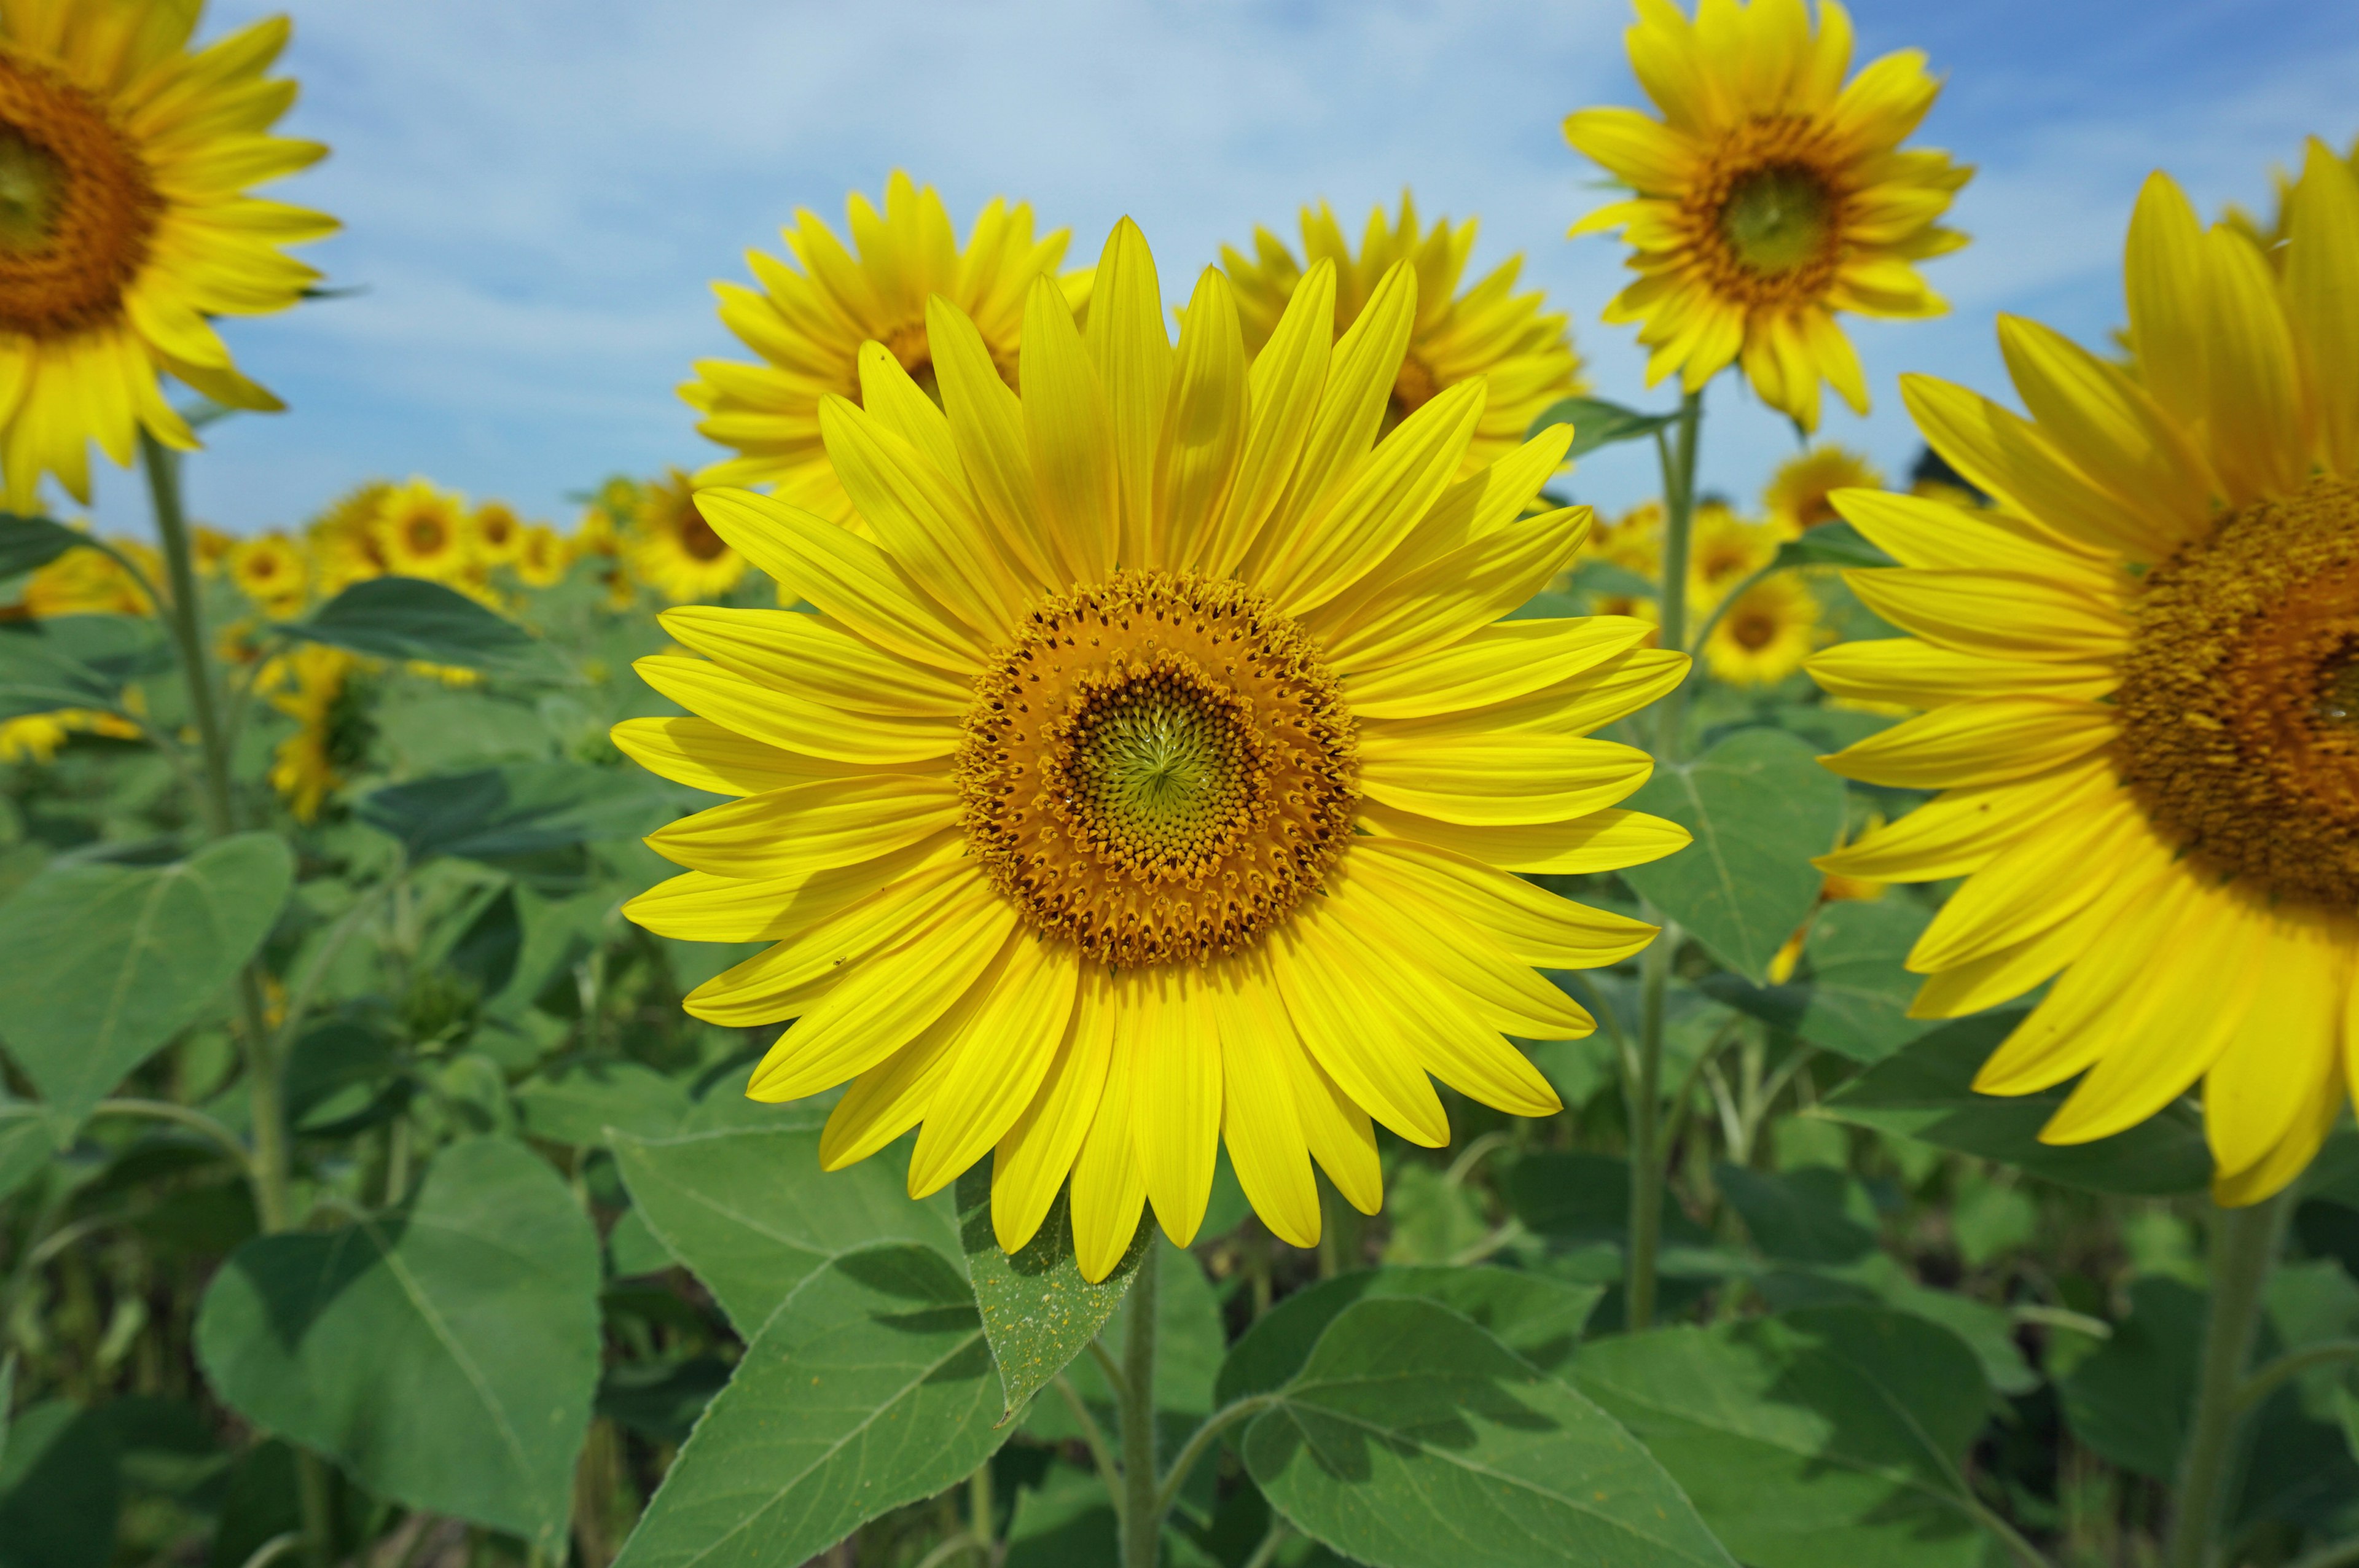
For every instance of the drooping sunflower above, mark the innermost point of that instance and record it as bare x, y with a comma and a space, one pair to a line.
495, 534
808, 326
1489, 330
1154, 776
421, 530
1769, 196
1765, 634
270, 570
1797, 496
2138, 673
674, 550
124, 225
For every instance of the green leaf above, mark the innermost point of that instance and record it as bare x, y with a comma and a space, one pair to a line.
1597, 423
28, 544
1578, 1200
75, 661
870, 1387
1414, 1440
107, 962
1852, 995
2129, 1401
25, 1144
1759, 806
661, 1399
751, 1214
409, 618
1037, 1309
1925, 1092
1836, 543
520, 809
60, 1487
445, 1354
1796, 1217
1538, 1318
1832, 1434
1608, 577
575, 1102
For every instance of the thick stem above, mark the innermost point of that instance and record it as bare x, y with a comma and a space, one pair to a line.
184, 617
978, 1511
1643, 1091
1678, 461
2243, 1246
1142, 1519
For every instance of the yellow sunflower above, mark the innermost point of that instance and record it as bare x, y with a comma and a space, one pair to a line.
809, 321
342, 539
270, 570
1156, 776
1723, 551
495, 534
2141, 702
542, 557
124, 225
36, 737
1488, 331
674, 551
91, 582
1769, 196
208, 547
1797, 495
420, 531
311, 762
2271, 235
1765, 634
599, 539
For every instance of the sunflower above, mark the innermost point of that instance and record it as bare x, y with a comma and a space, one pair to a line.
270, 570
208, 549
1155, 777
2139, 674
2271, 236
597, 538
808, 326
36, 737
674, 551
542, 557
1723, 551
91, 582
420, 531
1632, 541
330, 731
1796, 499
1765, 633
1488, 331
1768, 197
124, 225
495, 534
342, 539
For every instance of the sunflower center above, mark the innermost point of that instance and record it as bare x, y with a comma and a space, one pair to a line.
697, 537
425, 534
77, 207
1159, 769
1777, 219
2240, 695
1754, 629
908, 345
1764, 214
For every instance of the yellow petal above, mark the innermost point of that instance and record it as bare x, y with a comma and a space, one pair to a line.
2286, 1059
789, 650
1176, 1111
1988, 740
1535, 925
1324, 985
707, 756
810, 827
1038, 1151
1962, 831
698, 906
2163, 271
1283, 397
2322, 260
2051, 872
1204, 428
997, 1061
1109, 1188
1069, 431
2113, 428
854, 911
1259, 1122
1496, 781
1360, 378
1920, 675
1128, 344
986, 421
792, 722
2000, 614
921, 517
1600, 841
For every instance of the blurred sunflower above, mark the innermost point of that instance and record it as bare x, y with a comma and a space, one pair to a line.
542, 557
342, 539
1488, 331
1833, 888
91, 582
1797, 496
1635, 543
807, 325
1769, 196
674, 551
420, 530
1156, 776
495, 534
270, 570
1725, 550
208, 547
2139, 675
331, 729
37, 737
124, 225
1765, 634
2271, 235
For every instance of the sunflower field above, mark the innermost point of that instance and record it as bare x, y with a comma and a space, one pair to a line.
1124, 934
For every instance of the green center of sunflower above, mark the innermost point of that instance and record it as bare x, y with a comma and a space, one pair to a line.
1777, 219
31, 186
1163, 763
77, 207
2239, 699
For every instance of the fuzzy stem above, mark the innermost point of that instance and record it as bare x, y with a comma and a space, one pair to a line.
1644, 1091
1142, 1518
2244, 1247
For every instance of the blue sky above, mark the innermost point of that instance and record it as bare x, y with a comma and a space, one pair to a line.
537, 193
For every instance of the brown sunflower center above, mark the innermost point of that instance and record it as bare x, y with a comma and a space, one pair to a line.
425, 534
77, 207
2240, 695
1753, 629
1765, 216
1159, 769
1412, 390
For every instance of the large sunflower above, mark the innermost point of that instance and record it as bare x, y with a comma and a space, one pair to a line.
1155, 777
2139, 669
1489, 330
674, 551
808, 327
124, 225
1769, 196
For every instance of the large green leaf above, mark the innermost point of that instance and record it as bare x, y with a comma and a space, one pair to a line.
24, 1141
576, 1101
1190, 1343
1925, 1092
1540, 1319
75, 661
1597, 423
445, 1354
1412, 1439
409, 618
520, 809
2130, 1401
751, 1214
1578, 1200
870, 1387
28, 544
1037, 1310
1852, 996
107, 962
1759, 806
1832, 1434
1796, 1217
60, 1487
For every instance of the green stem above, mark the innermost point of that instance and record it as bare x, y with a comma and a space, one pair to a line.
188, 1117
1200, 1442
2292, 1364
1093, 1438
2243, 1246
978, 1511
1142, 1514
1280, 1533
184, 618
1678, 461
1644, 1091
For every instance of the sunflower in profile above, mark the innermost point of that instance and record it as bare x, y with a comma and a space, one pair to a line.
1488, 329
420, 531
495, 534
674, 550
2141, 696
331, 729
1797, 498
342, 539
270, 570
542, 557
125, 226
808, 321
1770, 196
1765, 633
1156, 775
91, 582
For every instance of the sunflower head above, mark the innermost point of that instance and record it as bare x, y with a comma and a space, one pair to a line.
1768, 196
342, 538
674, 550
124, 225
1723, 551
1483, 329
270, 570
420, 531
333, 729
1151, 773
495, 534
542, 557
1765, 634
1798, 496
91, 582
807, 320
